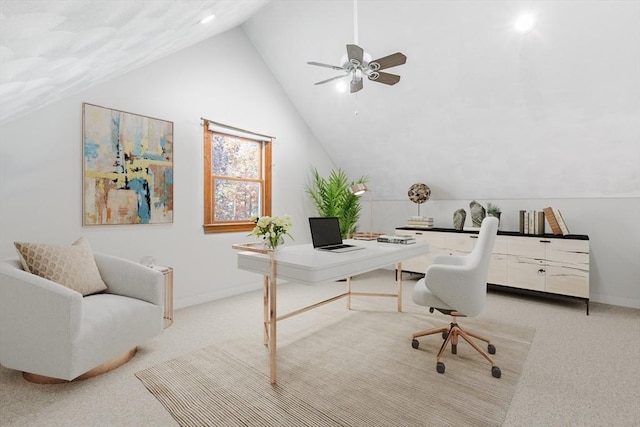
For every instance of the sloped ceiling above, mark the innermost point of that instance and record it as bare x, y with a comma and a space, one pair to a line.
480, 111
51, 49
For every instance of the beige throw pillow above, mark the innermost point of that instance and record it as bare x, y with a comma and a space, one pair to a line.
71, 266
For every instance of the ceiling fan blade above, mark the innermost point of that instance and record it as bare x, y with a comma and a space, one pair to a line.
355, 52
386, 78
388, 61
320, 64
331, 79
356, 85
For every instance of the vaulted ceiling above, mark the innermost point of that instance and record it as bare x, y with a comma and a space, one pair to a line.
50, 49
481, 111
471, 88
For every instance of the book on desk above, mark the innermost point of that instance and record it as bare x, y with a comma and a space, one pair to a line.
401, 240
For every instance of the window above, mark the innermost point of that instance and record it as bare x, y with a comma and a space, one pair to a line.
237, 178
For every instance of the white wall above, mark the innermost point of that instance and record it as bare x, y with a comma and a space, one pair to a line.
222, 79
225, 80
611, 224
551, 117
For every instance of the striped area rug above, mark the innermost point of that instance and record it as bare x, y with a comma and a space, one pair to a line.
357, 371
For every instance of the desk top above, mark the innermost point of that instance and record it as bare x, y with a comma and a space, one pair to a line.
303, 264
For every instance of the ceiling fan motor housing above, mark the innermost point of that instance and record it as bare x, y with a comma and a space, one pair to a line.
358, 62
350, 64
357, 68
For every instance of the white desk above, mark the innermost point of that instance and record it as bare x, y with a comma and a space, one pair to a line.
303, 264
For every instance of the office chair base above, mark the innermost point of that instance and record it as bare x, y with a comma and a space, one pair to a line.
451, 333
495, 371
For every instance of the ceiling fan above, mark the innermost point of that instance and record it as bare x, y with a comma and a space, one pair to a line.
357, 63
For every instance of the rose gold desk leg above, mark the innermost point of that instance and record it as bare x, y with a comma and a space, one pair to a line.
273, 368
349, 293
168, 297
265, 307
399, 282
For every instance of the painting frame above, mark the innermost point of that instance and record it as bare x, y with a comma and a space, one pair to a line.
127, 168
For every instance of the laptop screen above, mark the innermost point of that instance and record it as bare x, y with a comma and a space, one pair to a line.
325, 231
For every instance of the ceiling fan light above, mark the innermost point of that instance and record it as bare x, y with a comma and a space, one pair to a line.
341, 86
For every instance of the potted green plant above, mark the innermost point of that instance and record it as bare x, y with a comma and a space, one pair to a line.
332, 198
494, 210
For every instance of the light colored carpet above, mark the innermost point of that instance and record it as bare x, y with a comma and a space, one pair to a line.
580, 370
356, 371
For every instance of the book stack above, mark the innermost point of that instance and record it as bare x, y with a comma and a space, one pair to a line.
420, 222
402, 240
364, 235
532, 222
556, 221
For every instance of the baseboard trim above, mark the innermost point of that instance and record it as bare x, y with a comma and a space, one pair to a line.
216, 295
622, 302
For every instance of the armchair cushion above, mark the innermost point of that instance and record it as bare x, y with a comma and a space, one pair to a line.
72, 266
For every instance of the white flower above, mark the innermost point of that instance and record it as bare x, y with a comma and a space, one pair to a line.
264, 221
272, 228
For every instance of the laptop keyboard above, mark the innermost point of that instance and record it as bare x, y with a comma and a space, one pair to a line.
337, 246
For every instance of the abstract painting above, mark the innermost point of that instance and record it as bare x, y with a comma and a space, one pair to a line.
127, 168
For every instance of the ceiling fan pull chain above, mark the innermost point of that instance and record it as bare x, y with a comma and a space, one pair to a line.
356, 103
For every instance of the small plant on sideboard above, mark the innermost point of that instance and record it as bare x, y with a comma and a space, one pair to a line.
493, 210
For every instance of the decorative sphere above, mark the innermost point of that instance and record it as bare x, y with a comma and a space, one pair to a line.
419, 193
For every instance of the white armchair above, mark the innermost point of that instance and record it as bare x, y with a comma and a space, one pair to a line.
53, 333
457, 286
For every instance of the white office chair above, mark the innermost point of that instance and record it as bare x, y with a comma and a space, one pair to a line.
457, 286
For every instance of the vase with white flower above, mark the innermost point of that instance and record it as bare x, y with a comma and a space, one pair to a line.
272, 229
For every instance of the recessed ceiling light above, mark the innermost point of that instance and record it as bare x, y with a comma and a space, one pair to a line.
525, 23
207, 19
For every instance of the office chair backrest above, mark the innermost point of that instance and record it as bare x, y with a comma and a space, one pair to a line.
479, 260
468, 298
481, 252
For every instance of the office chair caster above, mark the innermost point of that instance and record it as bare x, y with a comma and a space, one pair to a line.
445, 334
495, 371
415, 343
440, 367
454, 349
491, 349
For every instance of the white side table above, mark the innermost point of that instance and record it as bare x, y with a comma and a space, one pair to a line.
168, 293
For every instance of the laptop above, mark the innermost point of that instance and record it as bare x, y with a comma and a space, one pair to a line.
325, 234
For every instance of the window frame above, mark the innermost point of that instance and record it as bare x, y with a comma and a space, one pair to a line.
210, 225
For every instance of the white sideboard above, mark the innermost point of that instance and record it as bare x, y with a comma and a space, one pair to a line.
548, 264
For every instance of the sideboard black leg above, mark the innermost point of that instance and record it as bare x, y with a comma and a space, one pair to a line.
587, 301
